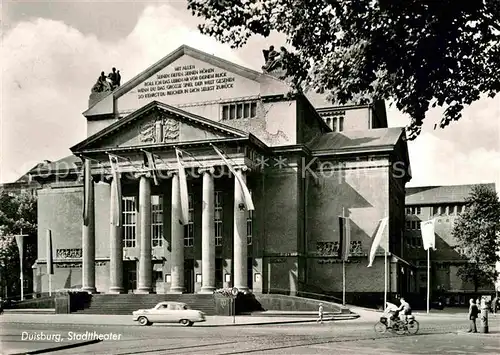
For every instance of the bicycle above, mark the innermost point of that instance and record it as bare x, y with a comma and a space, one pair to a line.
410, 326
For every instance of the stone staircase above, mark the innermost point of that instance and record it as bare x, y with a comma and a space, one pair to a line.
127, 303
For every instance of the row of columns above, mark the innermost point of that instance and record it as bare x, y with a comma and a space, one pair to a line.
145, 282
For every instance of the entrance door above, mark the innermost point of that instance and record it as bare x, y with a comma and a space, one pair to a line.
131, 279
219, 278
189, 275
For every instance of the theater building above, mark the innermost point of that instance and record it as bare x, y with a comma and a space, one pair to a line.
304, 161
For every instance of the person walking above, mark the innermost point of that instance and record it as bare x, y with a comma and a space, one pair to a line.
473, 313
320, 314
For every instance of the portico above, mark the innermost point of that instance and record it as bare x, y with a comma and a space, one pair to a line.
141, 179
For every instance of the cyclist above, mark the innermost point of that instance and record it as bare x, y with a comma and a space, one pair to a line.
393, 312
405, 308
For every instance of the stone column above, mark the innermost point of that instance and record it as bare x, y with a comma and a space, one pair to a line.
88, 240
177, 239
240, 235
115, 244
208, 232
145, 284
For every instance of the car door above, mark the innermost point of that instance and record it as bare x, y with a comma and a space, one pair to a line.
156, 314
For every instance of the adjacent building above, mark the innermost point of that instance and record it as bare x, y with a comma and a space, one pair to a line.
444, 204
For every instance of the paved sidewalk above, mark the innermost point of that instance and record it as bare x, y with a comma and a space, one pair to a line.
126, 320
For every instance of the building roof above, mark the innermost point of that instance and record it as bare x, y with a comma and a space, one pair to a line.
440, 194
65, 165
356, 140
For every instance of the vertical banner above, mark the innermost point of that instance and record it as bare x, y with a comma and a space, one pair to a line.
20, 247
50, 261
87, 180
345, 237
183, 189
246, 193
152, 166
379, 236
428, 234
115, 219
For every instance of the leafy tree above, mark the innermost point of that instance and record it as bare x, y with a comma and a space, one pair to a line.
416, 53
18, 215
477, 232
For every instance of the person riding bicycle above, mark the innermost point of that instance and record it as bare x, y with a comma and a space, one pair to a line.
405, 308
393, 313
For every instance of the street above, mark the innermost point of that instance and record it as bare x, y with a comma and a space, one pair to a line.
437, 335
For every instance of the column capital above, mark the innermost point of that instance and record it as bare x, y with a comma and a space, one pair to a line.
207, 169
243, 168
145, 173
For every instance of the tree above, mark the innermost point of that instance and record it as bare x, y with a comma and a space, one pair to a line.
18, 215
415, 53
477, 233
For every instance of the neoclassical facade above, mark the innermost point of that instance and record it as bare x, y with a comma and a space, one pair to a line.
304, 162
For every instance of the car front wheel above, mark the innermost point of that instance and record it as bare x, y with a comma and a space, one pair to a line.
143, 321
186, 322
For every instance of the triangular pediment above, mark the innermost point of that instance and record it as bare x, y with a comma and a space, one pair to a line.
157, 124
184, 77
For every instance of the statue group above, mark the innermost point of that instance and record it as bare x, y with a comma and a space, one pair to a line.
273, 59
107, 83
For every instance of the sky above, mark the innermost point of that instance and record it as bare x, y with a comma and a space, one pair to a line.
52, 53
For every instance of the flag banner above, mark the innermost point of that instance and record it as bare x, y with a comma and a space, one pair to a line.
50, 261
115, 218
87, 180
428, 235
183, 189
152, 166
20, 246
379, 236
246, 193
345, 237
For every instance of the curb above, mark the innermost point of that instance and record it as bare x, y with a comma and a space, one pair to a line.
310, 320
62, 347
201, 324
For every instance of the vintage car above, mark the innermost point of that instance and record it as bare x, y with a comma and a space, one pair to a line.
169, 312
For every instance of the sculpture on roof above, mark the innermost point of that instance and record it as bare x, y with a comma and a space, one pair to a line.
107, 83
273, 59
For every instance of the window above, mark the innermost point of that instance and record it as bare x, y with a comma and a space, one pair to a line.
408, 224
459, 209
239, 110
413, 210
415, 225
249, 226
129, 221
156, 221
189, 233
218, 225
334, 120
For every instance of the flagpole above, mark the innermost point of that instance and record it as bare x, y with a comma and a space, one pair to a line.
385, 277
343, 257
21, 257
428, 277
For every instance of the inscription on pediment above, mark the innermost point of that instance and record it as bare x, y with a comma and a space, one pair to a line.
159, 130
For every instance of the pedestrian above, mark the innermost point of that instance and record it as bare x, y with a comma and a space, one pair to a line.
320, 314
473, 313
494, 304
